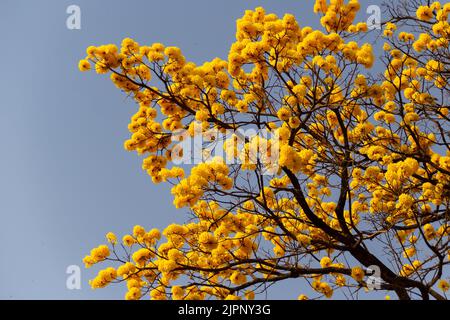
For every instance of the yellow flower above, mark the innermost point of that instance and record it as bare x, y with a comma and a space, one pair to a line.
361, 27
133, 294
141, 256
202, 115
133, 283
340, 280
111, 237
100, 253
294, 122
405, 201
126, 269
128, 240
424, 13
325, 262
409, 252
443, 285
159, 293
250, 295
429, 231
84, 65
178, 293
103, 278
284, 113
138, 231
406, 36
238, 278
358, 273
406, 270
88, 261
389, 118
208, 241
326, 289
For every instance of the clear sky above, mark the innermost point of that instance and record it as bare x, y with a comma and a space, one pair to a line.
65, 179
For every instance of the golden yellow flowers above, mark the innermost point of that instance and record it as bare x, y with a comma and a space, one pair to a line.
133, 294
405, 201
103, 278
326, 289
429, 231
100, 253
111, 237
405, 36
296, 161
443, 285
238, 278
128, 240
409, 252
325, 262
141, 256
207, 241
177, 293
358, 273
284, 114
84, 65
424, 13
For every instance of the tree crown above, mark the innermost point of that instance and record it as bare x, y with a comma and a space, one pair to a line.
344, 174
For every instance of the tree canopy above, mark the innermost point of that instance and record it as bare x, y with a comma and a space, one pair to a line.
344, 185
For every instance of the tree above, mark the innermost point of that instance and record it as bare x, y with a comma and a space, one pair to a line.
346, 183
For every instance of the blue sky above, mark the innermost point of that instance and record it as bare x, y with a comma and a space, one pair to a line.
65, 179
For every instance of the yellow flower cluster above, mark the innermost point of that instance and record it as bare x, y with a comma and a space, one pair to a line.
133, 294
437, 14
190, 190
297, 161
358, 273
155, 167
363, 55
103, 278
443, 285
389, 29
321, 287
399, 172
338, 16
111, 237
424, 13
97, 255
406, 36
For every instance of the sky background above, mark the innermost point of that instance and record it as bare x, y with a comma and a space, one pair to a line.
65, 179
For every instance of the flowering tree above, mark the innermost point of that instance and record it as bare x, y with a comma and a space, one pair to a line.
358, 195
